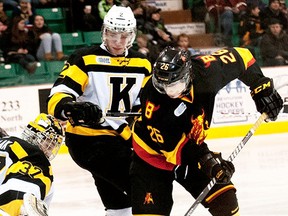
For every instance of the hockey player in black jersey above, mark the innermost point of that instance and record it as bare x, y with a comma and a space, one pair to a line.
26, 177
97, 80
168, 139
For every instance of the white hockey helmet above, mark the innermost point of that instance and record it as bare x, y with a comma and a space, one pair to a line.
46, 132
120, 19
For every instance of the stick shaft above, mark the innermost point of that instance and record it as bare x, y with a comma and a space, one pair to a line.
118, 114
232, 156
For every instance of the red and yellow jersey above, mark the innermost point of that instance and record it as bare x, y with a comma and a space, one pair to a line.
167, 125
24, 168
113, 83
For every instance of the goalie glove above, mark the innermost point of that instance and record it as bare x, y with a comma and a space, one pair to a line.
214, 166
33, 206
266, 98
83, 114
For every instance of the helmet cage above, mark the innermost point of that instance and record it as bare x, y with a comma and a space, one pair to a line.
46, 133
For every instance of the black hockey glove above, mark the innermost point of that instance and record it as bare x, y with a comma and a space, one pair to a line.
266, 98
213, 165
83, 113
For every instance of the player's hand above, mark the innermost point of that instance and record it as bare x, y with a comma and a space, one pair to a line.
214, 166
267, 98
83, 113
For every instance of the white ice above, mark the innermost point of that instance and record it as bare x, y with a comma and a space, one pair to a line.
260, 178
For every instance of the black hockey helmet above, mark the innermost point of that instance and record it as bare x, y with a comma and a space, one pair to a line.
172, 65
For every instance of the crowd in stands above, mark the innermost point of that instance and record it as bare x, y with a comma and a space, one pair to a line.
25, 37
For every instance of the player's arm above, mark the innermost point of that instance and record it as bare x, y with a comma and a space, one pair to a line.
265, 96
62, 100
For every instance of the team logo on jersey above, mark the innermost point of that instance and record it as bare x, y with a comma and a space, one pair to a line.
180, 109
103, 60
124, 61
148, 199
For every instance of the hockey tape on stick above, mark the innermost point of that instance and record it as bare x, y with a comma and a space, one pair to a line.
118, 114
236, 151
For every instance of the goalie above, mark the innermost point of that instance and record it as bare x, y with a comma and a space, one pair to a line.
25, 171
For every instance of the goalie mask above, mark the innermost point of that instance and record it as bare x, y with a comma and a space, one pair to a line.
46, 132
119, 29
172, 72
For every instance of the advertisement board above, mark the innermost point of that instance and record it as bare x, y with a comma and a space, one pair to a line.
233, 106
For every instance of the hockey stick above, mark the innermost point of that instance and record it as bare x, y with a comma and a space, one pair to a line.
119, 114
232, 156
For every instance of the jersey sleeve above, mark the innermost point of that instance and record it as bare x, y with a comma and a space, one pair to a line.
70, 85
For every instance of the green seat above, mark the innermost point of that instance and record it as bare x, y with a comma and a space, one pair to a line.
51, 13
92, 37
41, 75
9, 75
55, 18
54, 68
9, 13
58, 27
72, 41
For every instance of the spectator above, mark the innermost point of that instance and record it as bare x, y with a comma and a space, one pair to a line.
156, 28
24, 10
273, 10
77, 14
250, 30
4, 20
146, 47
182, 42
89, 21
222, 14
44, 3
198, 9
274, 45
48, 44
18, 47
105, 5
140, 17
261, 3
10, 4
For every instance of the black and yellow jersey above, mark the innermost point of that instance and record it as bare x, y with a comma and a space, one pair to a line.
166, 125
24, 168
113, 83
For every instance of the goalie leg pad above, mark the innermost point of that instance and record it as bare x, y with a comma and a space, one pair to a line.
34, 206
2, 213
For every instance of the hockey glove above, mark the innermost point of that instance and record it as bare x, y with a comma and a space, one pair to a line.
266, 98
83, 113
214, 166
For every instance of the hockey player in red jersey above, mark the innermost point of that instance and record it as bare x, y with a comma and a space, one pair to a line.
168, 139
96, 79
25, 171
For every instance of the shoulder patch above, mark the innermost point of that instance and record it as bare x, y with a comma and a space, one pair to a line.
103, 60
